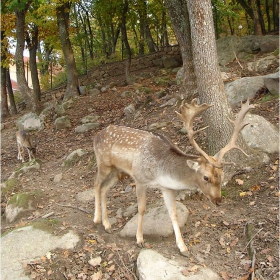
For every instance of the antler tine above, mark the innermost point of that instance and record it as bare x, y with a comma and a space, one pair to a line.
238, 126
189, 112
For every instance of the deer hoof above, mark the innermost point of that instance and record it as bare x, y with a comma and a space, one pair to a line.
141, 244
185, 253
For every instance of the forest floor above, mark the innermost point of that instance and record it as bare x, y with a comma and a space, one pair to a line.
215, 236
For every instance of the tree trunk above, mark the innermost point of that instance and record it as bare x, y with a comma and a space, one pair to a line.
62, 14
209, 82
126, 43
31, 102
4, 99
13, 107
179, 16
32, 44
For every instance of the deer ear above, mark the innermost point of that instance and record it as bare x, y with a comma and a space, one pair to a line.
193, 164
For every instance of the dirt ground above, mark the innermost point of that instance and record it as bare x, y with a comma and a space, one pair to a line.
216, 236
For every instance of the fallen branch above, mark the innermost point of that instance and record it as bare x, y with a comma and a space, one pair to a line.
74, 207
251, 240
237, 60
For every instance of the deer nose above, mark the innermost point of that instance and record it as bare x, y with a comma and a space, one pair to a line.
217, 201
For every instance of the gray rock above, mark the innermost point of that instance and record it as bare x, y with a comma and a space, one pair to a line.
57, 178
129, 110
261, 134
26, 167
94, 92
62, 122
271, 82
22, 203
90, 119
26, 244
85, 196
30, 121
242, 89
171, 62
263, 63
83, 90
156, 222
153, 266
72, 157
86, 127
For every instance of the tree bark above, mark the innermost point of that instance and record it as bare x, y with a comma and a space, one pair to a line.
32, 44
13, 107
179, 16
125, 41
62, 14
209, 82
4, 99
31, 102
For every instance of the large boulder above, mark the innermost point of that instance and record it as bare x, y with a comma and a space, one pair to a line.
153, 266
260, 134
62, 122
271, 82
156, 222
242, 89
30, 121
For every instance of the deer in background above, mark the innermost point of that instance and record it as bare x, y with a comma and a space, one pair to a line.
25, 141
153, 161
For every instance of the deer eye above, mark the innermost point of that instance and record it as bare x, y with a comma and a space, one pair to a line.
206, 179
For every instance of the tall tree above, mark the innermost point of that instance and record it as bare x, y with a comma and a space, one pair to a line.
209, 82
62, 14
179, 16
31, 99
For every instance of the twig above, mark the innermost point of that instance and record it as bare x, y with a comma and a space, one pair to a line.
251, 240
237, 60
74, 207
253, 265
127, 269
47, 215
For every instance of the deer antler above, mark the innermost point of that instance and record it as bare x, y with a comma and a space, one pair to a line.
238, 126
189, 112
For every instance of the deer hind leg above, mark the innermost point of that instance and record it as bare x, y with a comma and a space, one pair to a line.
106, 178
30, 154
170, 202
141, 199
20, 152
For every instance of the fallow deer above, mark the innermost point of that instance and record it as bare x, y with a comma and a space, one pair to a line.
153, 161
25, 141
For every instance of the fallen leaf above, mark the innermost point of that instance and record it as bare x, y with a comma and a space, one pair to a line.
225, 223
270, 258
255, 188
242, 194
95, 262
224, 275
252, 203
185, 272
239, 182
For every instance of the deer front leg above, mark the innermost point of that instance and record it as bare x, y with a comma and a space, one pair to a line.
20, 153
141, 199
170, 202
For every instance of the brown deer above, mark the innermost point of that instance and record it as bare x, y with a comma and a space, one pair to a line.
25, 141
153, 161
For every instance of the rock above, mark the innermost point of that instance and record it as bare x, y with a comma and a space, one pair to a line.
62, 122
155, 126
26, 167
94, 92
68, 104
129, 110
171, 62
86, 127
26, 244
156, 222
131, 210
95, 262
22, 203
126, 93
72, 158
263, 64
242, 89
260, 134
30, 121
59, 110
85, 196
271, 82
57, 178
153, 266
90, 119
